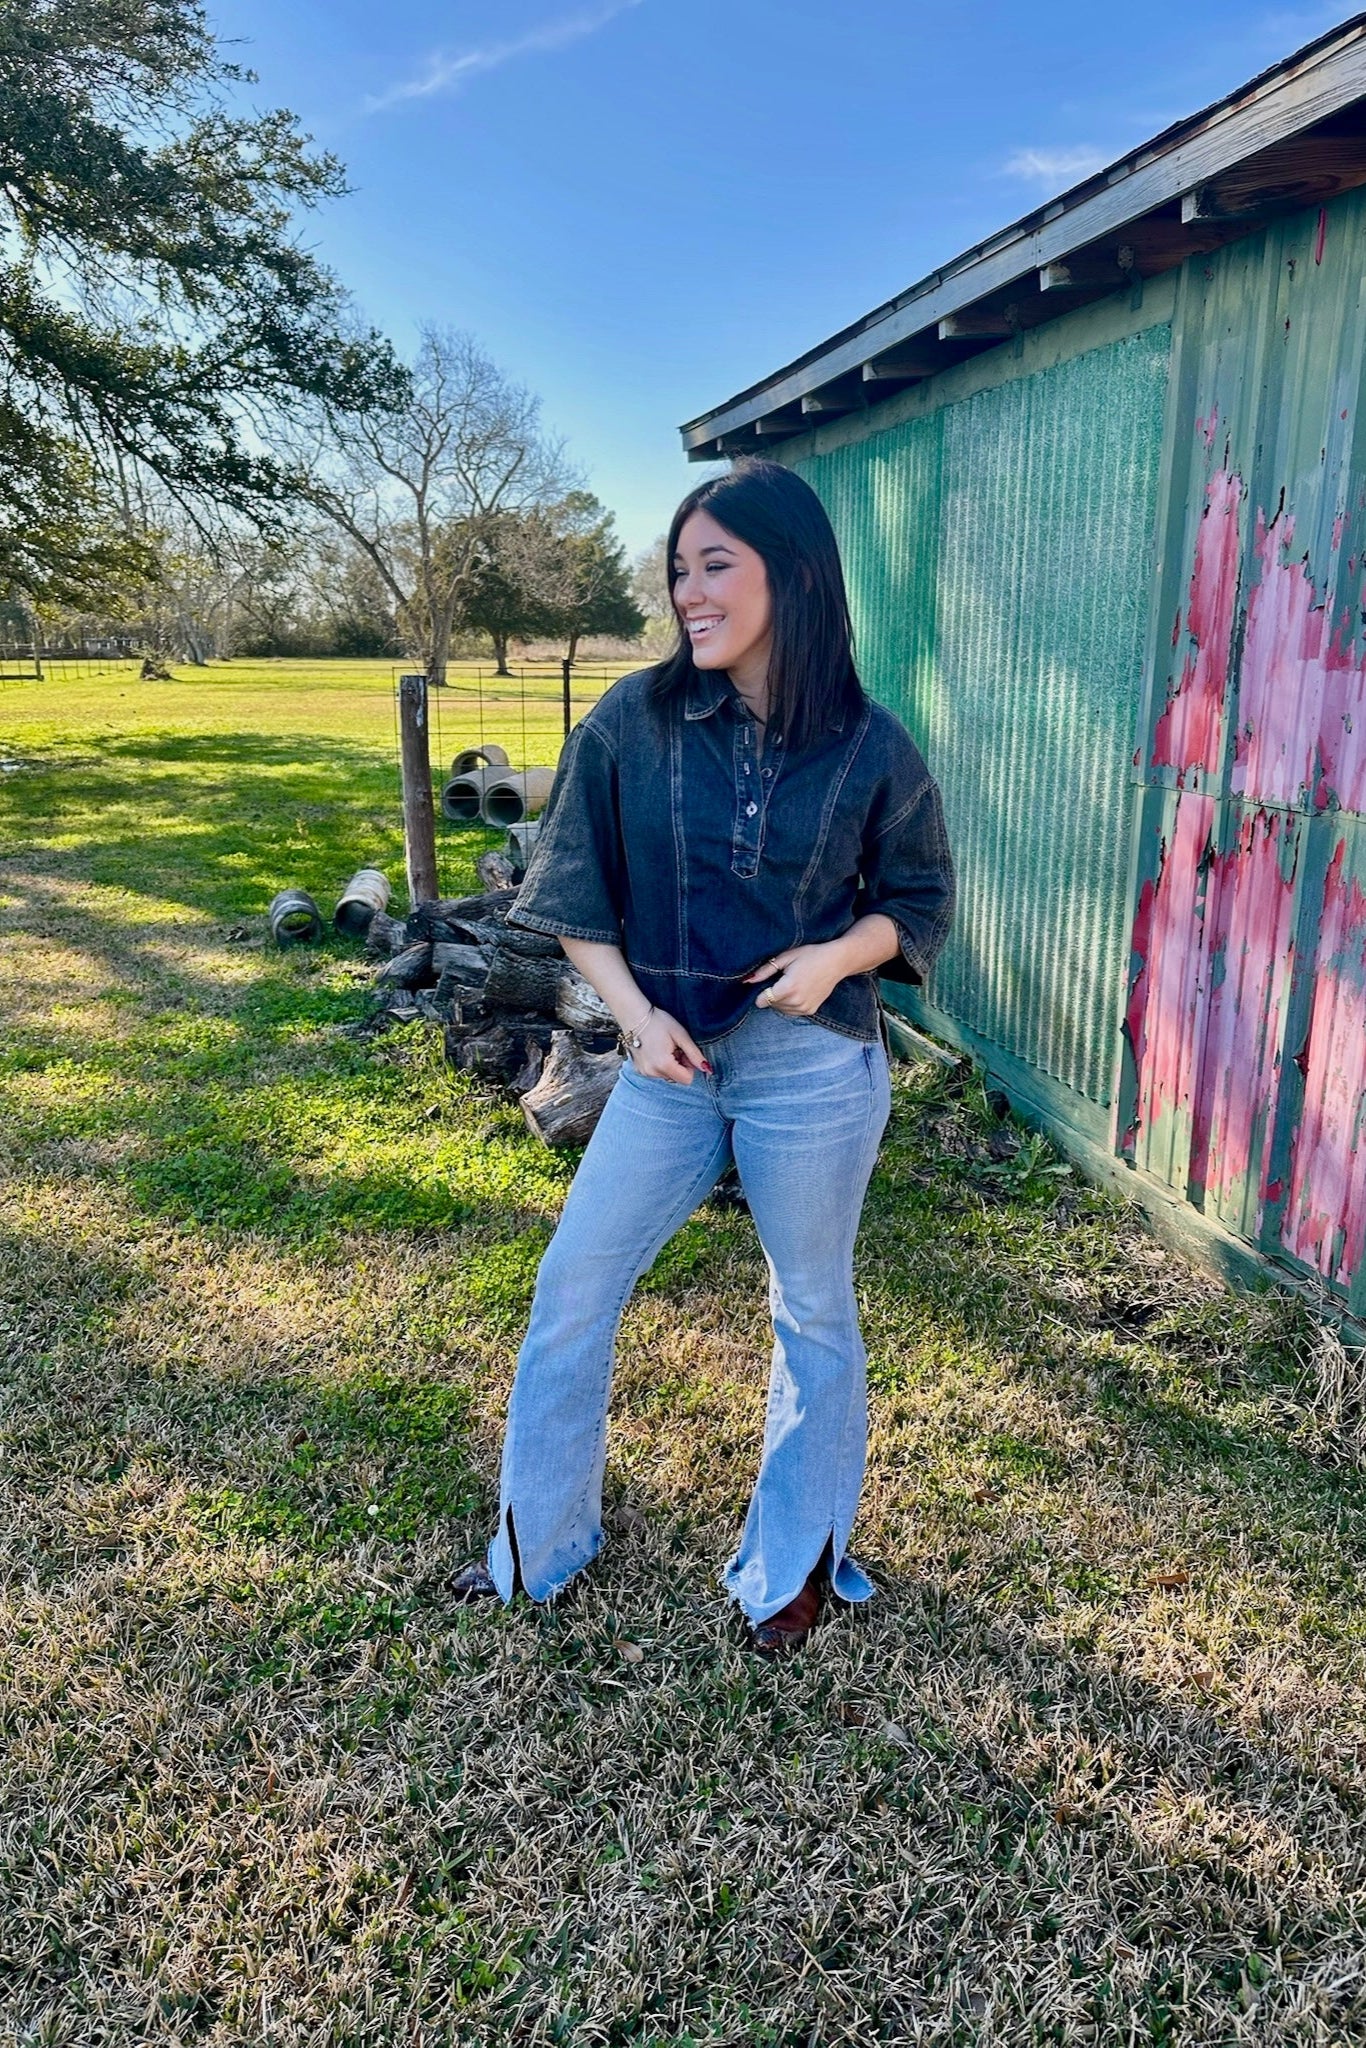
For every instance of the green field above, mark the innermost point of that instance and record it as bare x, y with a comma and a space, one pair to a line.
1093, 1768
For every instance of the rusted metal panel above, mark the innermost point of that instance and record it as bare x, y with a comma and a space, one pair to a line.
1321, 1220
999, 556
1246, 1017
1213, 963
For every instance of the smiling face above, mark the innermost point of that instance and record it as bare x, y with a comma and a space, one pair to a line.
722, 596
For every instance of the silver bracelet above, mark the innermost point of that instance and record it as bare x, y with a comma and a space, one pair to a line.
631, 1041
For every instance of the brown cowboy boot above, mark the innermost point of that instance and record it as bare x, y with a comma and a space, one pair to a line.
788, 1629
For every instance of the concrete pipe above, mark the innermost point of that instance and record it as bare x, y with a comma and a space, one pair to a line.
511, 798
295, 918
521, 839
462, 798
479, 757
365, 893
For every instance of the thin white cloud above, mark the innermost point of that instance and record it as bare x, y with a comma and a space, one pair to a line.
1057, 167
448, 70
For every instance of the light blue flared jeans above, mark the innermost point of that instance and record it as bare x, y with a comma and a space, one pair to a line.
801, 1109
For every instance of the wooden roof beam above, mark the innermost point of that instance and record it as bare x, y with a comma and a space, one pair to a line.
1099, 272
1303, 171
981, 323
904, 365
833, 400
778, 426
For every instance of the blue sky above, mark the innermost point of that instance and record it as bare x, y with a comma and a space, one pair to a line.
641, 206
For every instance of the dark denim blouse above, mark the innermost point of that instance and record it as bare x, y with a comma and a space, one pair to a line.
669, 835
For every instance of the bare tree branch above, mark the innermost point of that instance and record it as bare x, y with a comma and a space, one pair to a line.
420, 490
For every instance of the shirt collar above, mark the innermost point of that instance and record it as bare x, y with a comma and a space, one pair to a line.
710, 688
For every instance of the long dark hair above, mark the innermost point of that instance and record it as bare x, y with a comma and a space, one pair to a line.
812, 680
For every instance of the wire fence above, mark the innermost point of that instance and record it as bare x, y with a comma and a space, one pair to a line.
542, 681
77, 662
501, 701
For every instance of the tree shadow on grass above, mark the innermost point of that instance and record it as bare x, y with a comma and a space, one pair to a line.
247, 1108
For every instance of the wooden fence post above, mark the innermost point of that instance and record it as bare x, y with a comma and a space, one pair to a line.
419, 814
566, 670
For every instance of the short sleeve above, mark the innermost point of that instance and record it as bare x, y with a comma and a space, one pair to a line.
908, 876
574, 883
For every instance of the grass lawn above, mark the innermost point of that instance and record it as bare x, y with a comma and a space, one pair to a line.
1092, 1770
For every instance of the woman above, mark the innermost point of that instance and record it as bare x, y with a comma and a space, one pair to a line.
737, 843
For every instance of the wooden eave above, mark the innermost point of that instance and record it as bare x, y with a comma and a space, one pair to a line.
1293, 136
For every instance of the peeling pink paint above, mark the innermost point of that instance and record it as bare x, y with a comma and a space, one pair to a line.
1325, 1214
1207, 429
1301, 737
1215, 938
1215, 932
1189, 735
1321, 234
1249, 942
1164, 1003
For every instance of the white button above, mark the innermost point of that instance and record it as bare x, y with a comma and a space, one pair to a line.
747, 767
750, 809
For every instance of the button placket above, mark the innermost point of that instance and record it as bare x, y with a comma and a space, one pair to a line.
748, 825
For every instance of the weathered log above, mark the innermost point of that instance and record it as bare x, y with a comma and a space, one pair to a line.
565, 1104
412, 968
522, 981
472, 962
578, 1004
435, 920
495, 870
386, 936
495, 1054
531, 945
729, 1191
393, 1006
485, 934
460, 1004
529, 1073
485, 918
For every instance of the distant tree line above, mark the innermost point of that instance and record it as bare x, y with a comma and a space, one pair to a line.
197, 434
557, 572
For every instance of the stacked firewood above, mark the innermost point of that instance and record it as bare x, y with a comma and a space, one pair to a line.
512, 1009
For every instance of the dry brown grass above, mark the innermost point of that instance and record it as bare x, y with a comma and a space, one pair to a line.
1092, 1769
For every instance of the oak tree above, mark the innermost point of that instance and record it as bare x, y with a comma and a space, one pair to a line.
158, 312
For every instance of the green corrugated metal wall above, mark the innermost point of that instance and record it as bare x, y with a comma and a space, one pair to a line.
999, 557
1114, 580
